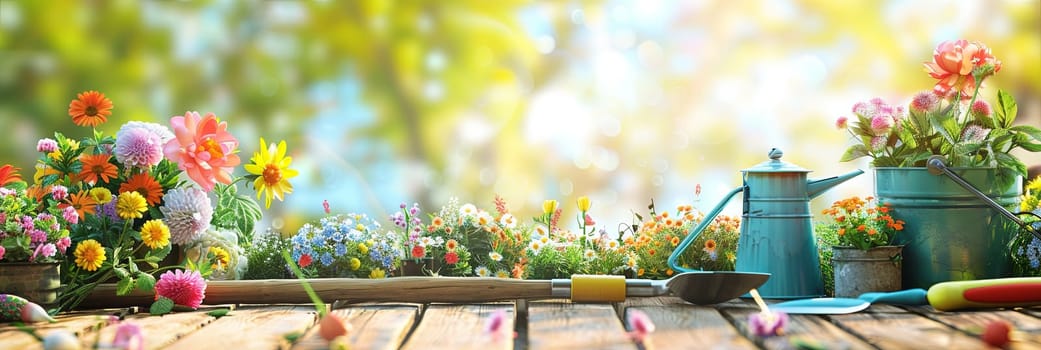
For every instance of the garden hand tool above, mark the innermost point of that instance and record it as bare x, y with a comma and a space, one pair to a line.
945, 296
776, 230
700, 288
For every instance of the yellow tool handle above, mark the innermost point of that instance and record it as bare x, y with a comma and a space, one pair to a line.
989, 293
597, 288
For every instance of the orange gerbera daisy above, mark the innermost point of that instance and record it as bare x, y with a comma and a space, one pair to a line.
95, 165
144, 185
90, 108
82, 202
9, 174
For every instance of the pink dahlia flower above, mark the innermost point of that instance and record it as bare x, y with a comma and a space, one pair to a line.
185, 288
46, 145
140, 144
953, 64
203, 149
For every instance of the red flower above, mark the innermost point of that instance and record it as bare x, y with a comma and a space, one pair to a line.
305, 260
9, 174
451, 258
418, 252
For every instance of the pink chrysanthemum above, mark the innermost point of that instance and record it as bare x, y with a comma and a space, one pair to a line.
184, 288
187, 213
140, 144
203, 149
46, 145
70, 215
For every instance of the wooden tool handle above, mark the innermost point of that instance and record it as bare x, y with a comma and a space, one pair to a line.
401, 289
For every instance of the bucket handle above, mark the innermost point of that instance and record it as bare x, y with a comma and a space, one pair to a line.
937, 165
694, 233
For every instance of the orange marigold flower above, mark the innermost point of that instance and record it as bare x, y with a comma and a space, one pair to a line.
675, 241
90, 108
97, 165
861, 228
842, 231
710, 245
144, 185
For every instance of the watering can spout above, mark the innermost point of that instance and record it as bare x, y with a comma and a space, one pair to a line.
815, 187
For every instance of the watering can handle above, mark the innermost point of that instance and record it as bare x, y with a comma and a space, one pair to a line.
937, 165
694, 233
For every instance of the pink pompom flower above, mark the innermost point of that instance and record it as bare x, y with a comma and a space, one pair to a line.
640, 325
185, 288
46, 145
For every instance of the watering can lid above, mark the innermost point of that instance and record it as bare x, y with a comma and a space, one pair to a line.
775, 165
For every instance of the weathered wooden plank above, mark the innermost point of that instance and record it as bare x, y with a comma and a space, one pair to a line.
81, 324
250, 328
973, 322
372, 327
906, 331
461, 327
687, 326
563, 325
812, 327
159, 331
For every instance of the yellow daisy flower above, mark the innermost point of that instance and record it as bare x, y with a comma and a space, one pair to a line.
131, 205
272, 169
155, 234
355, 264
101, 195
89, 255
377, 274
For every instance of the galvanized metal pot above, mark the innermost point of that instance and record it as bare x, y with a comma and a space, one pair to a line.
949, 234
859, 271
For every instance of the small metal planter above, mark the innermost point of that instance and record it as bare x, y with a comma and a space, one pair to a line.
860, 271
36, 282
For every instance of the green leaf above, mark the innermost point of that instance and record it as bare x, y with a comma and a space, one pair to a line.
161, 306
854, 152
1031, 130
218, 313
145, 282
1007, 109
125, 286
1032, 147
121, 273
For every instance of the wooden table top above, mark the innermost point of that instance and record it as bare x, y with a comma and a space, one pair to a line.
544, 324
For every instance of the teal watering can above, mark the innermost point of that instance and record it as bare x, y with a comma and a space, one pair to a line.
776, 228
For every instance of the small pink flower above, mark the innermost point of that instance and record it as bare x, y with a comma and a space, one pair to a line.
128, 336
46, 145
980, 109
767, 324
325, 205
842, 122
882, 124
37, 236
495, 325
43, 250
63, 244
451, 257
2, 252
203, 149
640, 325
59, 192
878, 142
70, 215
184, 288
589, 221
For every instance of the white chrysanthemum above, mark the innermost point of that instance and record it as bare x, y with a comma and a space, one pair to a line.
495, 256
482, 271
187, 212
589, 254
483, 218
535, 246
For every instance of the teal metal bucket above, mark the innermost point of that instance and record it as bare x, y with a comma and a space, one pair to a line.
949, 234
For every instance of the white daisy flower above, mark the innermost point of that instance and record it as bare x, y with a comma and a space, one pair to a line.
468, 210
535, 246
589, 254
508, 221
495, 256
502, 274
539, 231
482, 271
